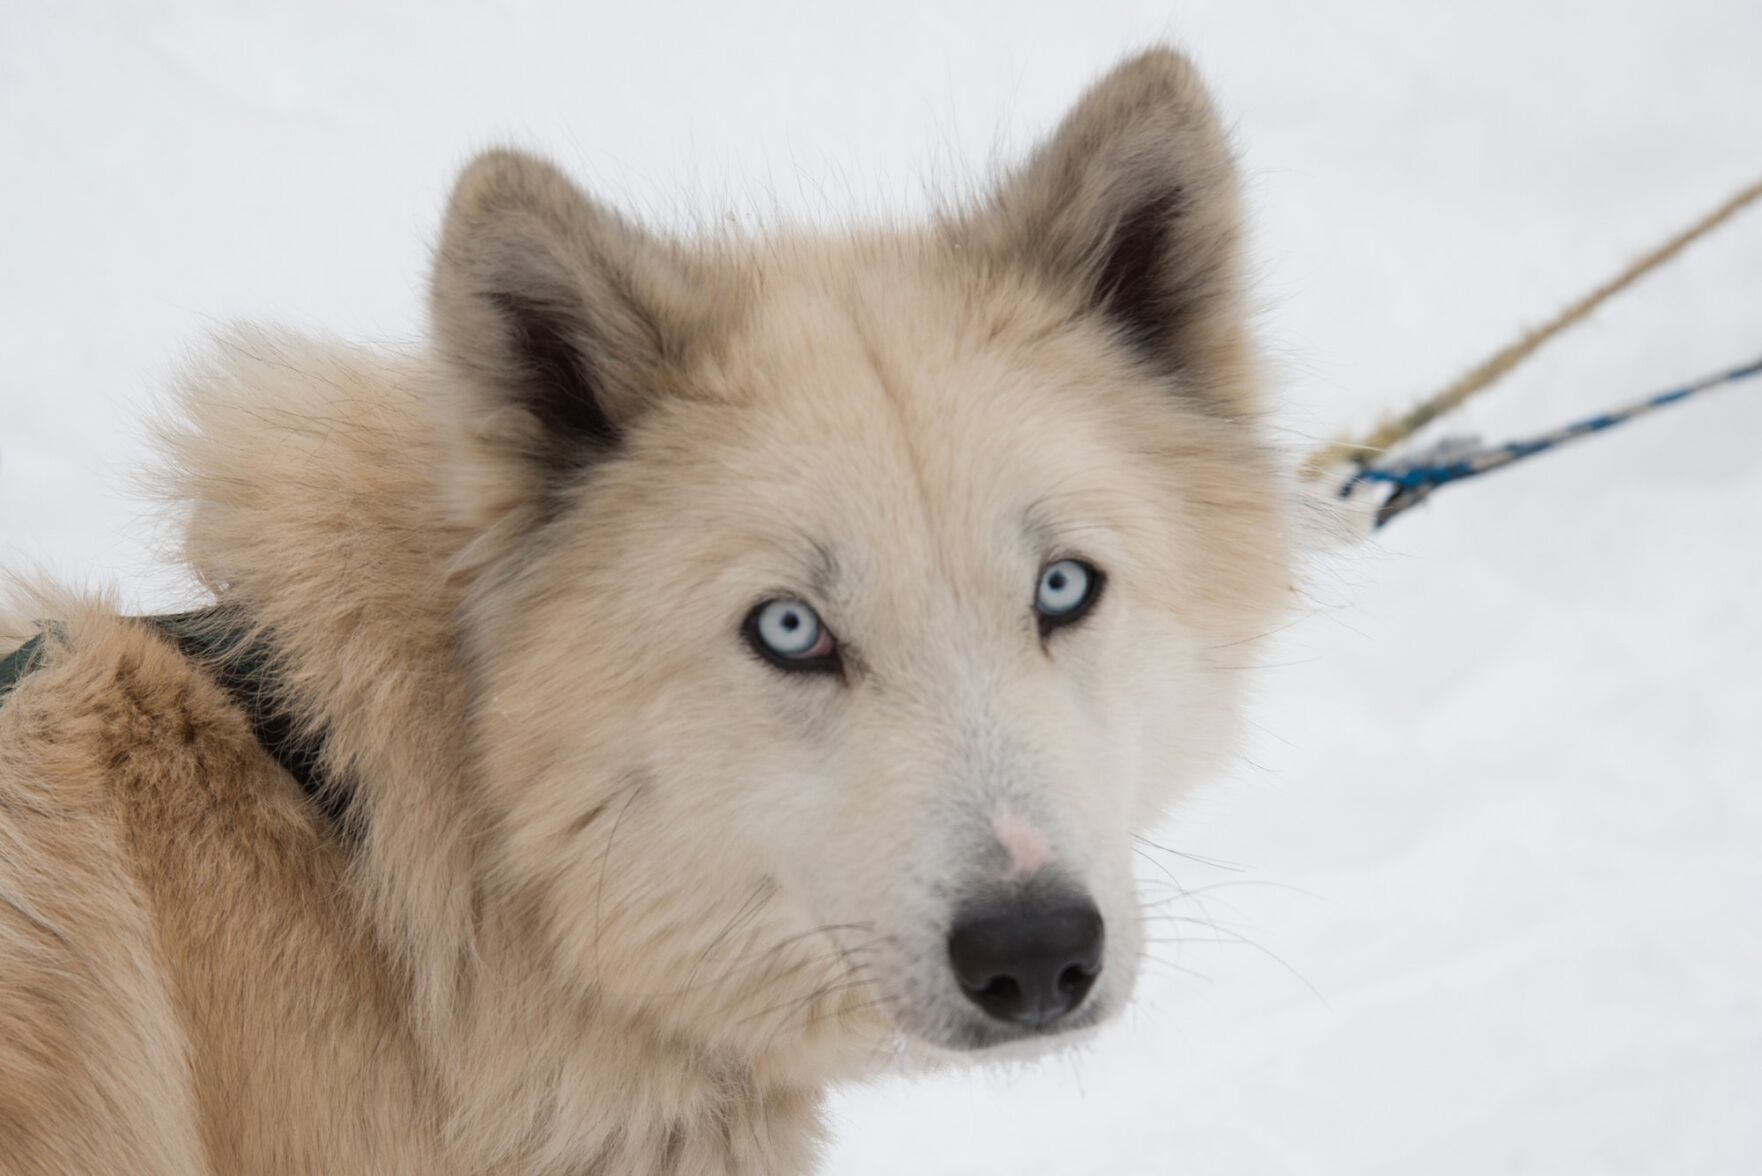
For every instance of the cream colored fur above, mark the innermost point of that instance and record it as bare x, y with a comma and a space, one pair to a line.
617, 896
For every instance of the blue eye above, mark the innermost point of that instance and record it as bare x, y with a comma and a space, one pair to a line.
789, 633
1066, 591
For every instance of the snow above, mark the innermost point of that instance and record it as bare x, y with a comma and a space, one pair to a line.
1498, 836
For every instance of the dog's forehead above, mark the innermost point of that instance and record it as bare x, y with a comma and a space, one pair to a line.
862, 348
815, 306
907, 377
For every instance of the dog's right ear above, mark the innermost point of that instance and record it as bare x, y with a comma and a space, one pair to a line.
558, 321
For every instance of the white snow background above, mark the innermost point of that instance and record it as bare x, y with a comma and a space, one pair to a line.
1498, 836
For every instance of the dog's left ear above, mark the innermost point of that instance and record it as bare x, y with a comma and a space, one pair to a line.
1131, 207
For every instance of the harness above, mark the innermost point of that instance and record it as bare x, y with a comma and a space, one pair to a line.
243, 663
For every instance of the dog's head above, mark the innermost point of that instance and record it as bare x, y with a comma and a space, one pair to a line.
843, 606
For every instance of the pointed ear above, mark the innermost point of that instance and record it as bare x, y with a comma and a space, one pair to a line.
558, 322
1131, 208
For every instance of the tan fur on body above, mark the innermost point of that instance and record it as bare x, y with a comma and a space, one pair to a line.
607, 898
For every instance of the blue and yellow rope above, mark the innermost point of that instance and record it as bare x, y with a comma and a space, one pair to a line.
1416, 478
1365, 459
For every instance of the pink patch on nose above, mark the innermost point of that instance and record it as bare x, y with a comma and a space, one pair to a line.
1027, 846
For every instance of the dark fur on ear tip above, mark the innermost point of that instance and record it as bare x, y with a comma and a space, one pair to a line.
1129, 285
558, 388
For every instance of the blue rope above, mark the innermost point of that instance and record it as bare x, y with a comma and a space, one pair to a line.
1453, 461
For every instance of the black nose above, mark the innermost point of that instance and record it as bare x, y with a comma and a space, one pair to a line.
1028, 966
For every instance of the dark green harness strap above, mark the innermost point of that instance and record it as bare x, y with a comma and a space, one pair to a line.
18, 663
243, 664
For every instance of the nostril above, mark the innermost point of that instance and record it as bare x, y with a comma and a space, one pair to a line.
1001, 988
1028, 966
1000, 996
1076, 980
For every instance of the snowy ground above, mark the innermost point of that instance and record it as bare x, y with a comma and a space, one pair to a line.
1500, 835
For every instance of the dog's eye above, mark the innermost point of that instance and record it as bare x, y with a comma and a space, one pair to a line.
789, 633
1068, 589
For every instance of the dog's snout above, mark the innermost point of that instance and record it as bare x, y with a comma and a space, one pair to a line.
1028, 966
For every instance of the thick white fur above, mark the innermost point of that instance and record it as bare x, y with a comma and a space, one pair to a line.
624, 897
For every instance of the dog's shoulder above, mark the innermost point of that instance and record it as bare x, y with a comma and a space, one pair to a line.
173, 910
94, 1073
113, 725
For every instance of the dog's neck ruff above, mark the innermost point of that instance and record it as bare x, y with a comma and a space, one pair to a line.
243, 662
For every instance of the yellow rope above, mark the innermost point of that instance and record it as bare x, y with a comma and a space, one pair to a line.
1397, 429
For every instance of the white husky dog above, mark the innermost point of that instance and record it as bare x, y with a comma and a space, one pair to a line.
707, 671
